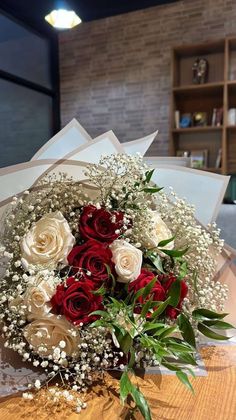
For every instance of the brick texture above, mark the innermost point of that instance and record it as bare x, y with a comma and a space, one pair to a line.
115, 72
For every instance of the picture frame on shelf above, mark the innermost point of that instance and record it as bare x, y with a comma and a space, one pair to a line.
200, 119
185, 120
198, 159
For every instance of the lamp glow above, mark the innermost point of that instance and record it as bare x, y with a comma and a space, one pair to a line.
63, 19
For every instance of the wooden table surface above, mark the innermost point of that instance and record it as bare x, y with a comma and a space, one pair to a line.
214, 398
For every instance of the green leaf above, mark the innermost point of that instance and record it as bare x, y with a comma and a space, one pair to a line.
167, 332
183, 377
211, 334
126, 343
187, 358
201, 313
151, 190
124, 387
110, 275
101, 291
183, 270
132, 358
156, 261
141, 402
171, 366
174, 252
146, 308
174, 293
161, 308
103, 314
148, 326
186, 329
165, 242
99, 323
219, 325
149, 176
179, 348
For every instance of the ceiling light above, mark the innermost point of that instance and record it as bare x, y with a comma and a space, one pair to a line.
63, 19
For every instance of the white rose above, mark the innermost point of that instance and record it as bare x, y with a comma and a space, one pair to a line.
48, 242
45, 333
37, 298
156, 232
127, 260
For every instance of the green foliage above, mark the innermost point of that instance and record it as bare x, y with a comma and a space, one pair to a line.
161, 308
148, 175
182, 376
127, 388
101, 291
156, 261
174, 252
126, 342
151, 190
186, 329
209, 333
202, 313
174, 293
165, 242
207, 318
155, 335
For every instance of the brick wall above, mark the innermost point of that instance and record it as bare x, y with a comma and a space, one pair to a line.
115, 72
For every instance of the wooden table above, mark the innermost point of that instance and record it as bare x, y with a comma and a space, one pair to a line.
214, 398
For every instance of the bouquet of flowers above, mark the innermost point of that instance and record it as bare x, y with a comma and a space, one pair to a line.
111, 273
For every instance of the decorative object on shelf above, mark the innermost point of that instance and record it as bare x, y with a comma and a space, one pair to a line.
232, 116
182, 153
200, 119
177, 119
200, 70
198, 158
218, 159
219, 117
186, 120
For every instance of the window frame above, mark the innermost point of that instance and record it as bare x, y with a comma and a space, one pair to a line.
54, 91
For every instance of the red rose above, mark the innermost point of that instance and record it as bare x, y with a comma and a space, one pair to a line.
76, 301
100, 224
90, 259
144, 278
167, 282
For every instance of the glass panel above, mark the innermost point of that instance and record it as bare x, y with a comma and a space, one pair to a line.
24, 53
25, 122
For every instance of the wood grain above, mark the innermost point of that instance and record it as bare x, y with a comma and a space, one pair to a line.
214, 397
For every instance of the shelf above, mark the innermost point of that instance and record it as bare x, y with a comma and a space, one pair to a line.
231, 83
201, 129
218, 92
203, 88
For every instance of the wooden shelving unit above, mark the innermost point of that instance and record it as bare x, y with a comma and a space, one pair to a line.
218, 92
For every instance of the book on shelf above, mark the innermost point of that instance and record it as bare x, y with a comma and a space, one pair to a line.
213, 120
218, 159
177, 118
217, 117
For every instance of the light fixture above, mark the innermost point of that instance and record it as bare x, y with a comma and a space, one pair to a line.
63, 19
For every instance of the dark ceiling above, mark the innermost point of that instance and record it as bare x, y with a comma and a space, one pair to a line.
33, 11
